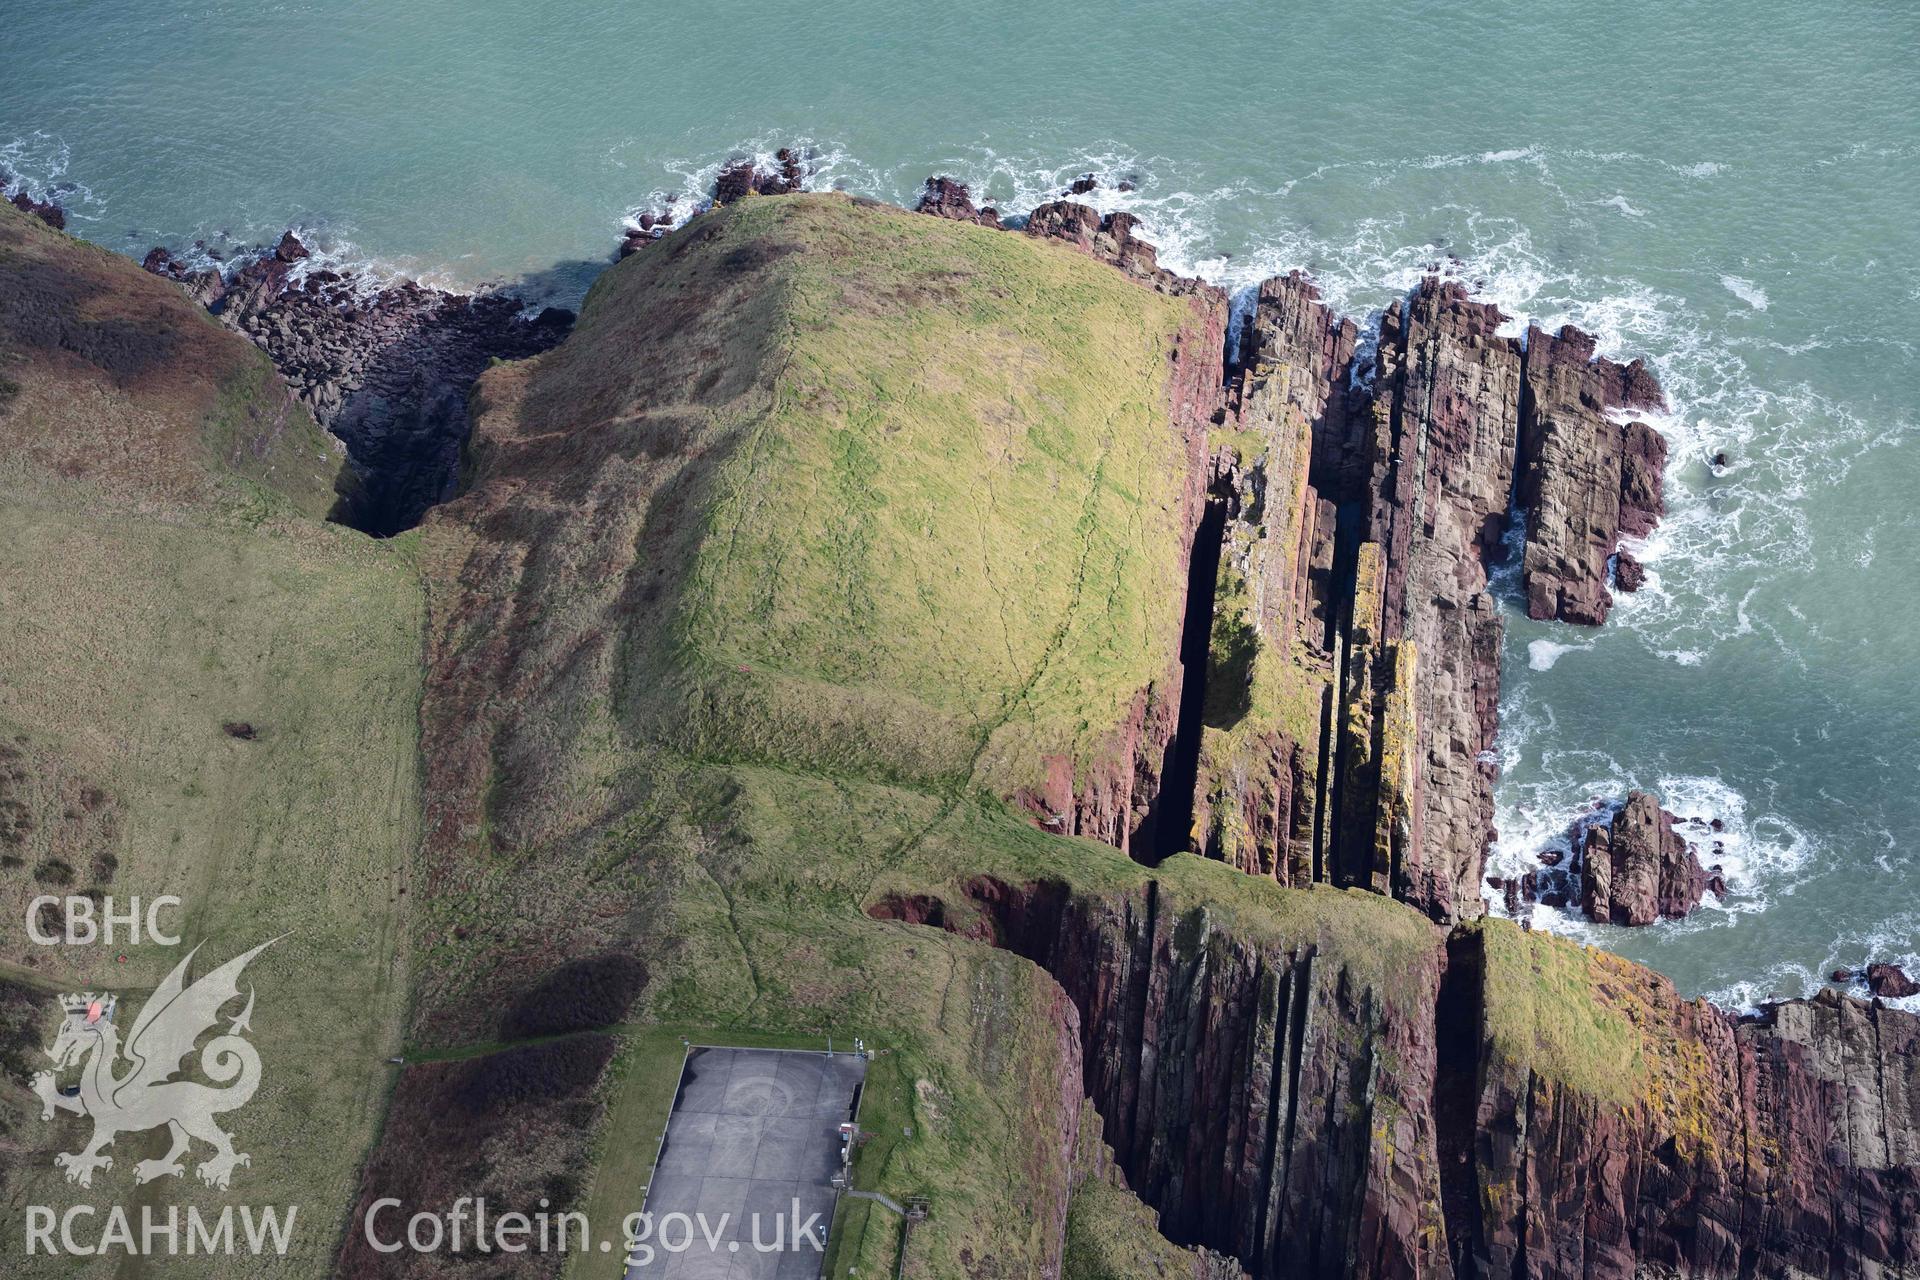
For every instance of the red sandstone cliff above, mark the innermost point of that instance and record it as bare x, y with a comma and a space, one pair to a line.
1493, 1103
1475, 1103
1353, 690
1585, 480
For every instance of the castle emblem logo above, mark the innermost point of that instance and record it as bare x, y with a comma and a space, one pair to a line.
129, 1086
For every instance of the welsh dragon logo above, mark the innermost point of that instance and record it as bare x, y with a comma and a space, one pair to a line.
128, 1088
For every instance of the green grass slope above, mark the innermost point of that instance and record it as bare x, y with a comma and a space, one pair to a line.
830, 487
825, 527
115, 387
163, 578
771, 583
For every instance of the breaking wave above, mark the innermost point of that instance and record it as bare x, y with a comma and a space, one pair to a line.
38, 164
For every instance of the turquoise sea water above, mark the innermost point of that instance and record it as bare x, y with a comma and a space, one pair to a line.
1730, 191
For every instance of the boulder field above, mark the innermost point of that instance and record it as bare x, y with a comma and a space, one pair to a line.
384, 366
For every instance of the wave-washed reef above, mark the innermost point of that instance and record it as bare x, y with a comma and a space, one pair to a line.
713, 657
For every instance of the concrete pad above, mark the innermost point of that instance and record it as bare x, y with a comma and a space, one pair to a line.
735, 1143
674, 1193
755, 1091
802, 1084
703, 1083
721, 1197
749, 1264
772, 1201
698, 1264
689, 1148
789, 1151
799, 1265
753, 1131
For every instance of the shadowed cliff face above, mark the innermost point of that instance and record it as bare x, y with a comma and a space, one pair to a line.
1480, 1103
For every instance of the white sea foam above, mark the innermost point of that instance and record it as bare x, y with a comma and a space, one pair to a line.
1543, 654
39, 164
1758, 853
825, 167
1761, 856
1180, 221
1892, 941
329, 249
1745, 290
1785, 978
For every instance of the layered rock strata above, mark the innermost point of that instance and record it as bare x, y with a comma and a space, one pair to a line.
1315, 1081
1665, 1137
1264, 790
1355, 634
1340, 729
1586, 480
386, 368
1637, 869
1474, 1103
1113, 237
1327, 1083
1504, 1103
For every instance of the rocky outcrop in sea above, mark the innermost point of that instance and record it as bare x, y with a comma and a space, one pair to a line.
45, 210
1629, 865
788, 172
1637, 869
1586, 480
949, 198
1113, 237
15, 192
